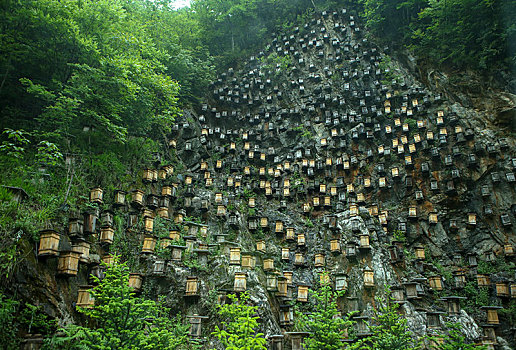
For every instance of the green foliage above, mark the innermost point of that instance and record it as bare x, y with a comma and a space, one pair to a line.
455, 339
306, 134
67, 338
239, 325
443, 271
108, 74
499, 265
391, 19
232, 235
389, 330
124, 321
459, 33
323, 321
160, 228
465, 33
104, 87
475, 296
125, 243
233, 29
247, 193
163, 253
509, 312
297, 180
34, 320
211, 301
387, 67
274, 60
8, 324
190, 260
48, 153
96, 79
412, 123
25, 219
8, 260
15, 143
485, 268
259, 233
409, 255
399, 236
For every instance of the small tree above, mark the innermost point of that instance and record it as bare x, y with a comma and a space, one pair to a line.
389, 330
124, 321
8, 324
323, 322
67, 338
239, 325
455, 340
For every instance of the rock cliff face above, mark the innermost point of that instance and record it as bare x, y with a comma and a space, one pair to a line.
322, 153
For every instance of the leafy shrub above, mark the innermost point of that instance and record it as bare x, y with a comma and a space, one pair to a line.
239, 325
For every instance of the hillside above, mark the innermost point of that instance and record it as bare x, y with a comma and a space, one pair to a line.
325, 158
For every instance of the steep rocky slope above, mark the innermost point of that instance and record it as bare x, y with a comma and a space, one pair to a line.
322, 153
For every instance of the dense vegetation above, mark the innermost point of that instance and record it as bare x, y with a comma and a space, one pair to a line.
465, 34
473, 34
321, 320
89, 89
239, 329
122, 320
